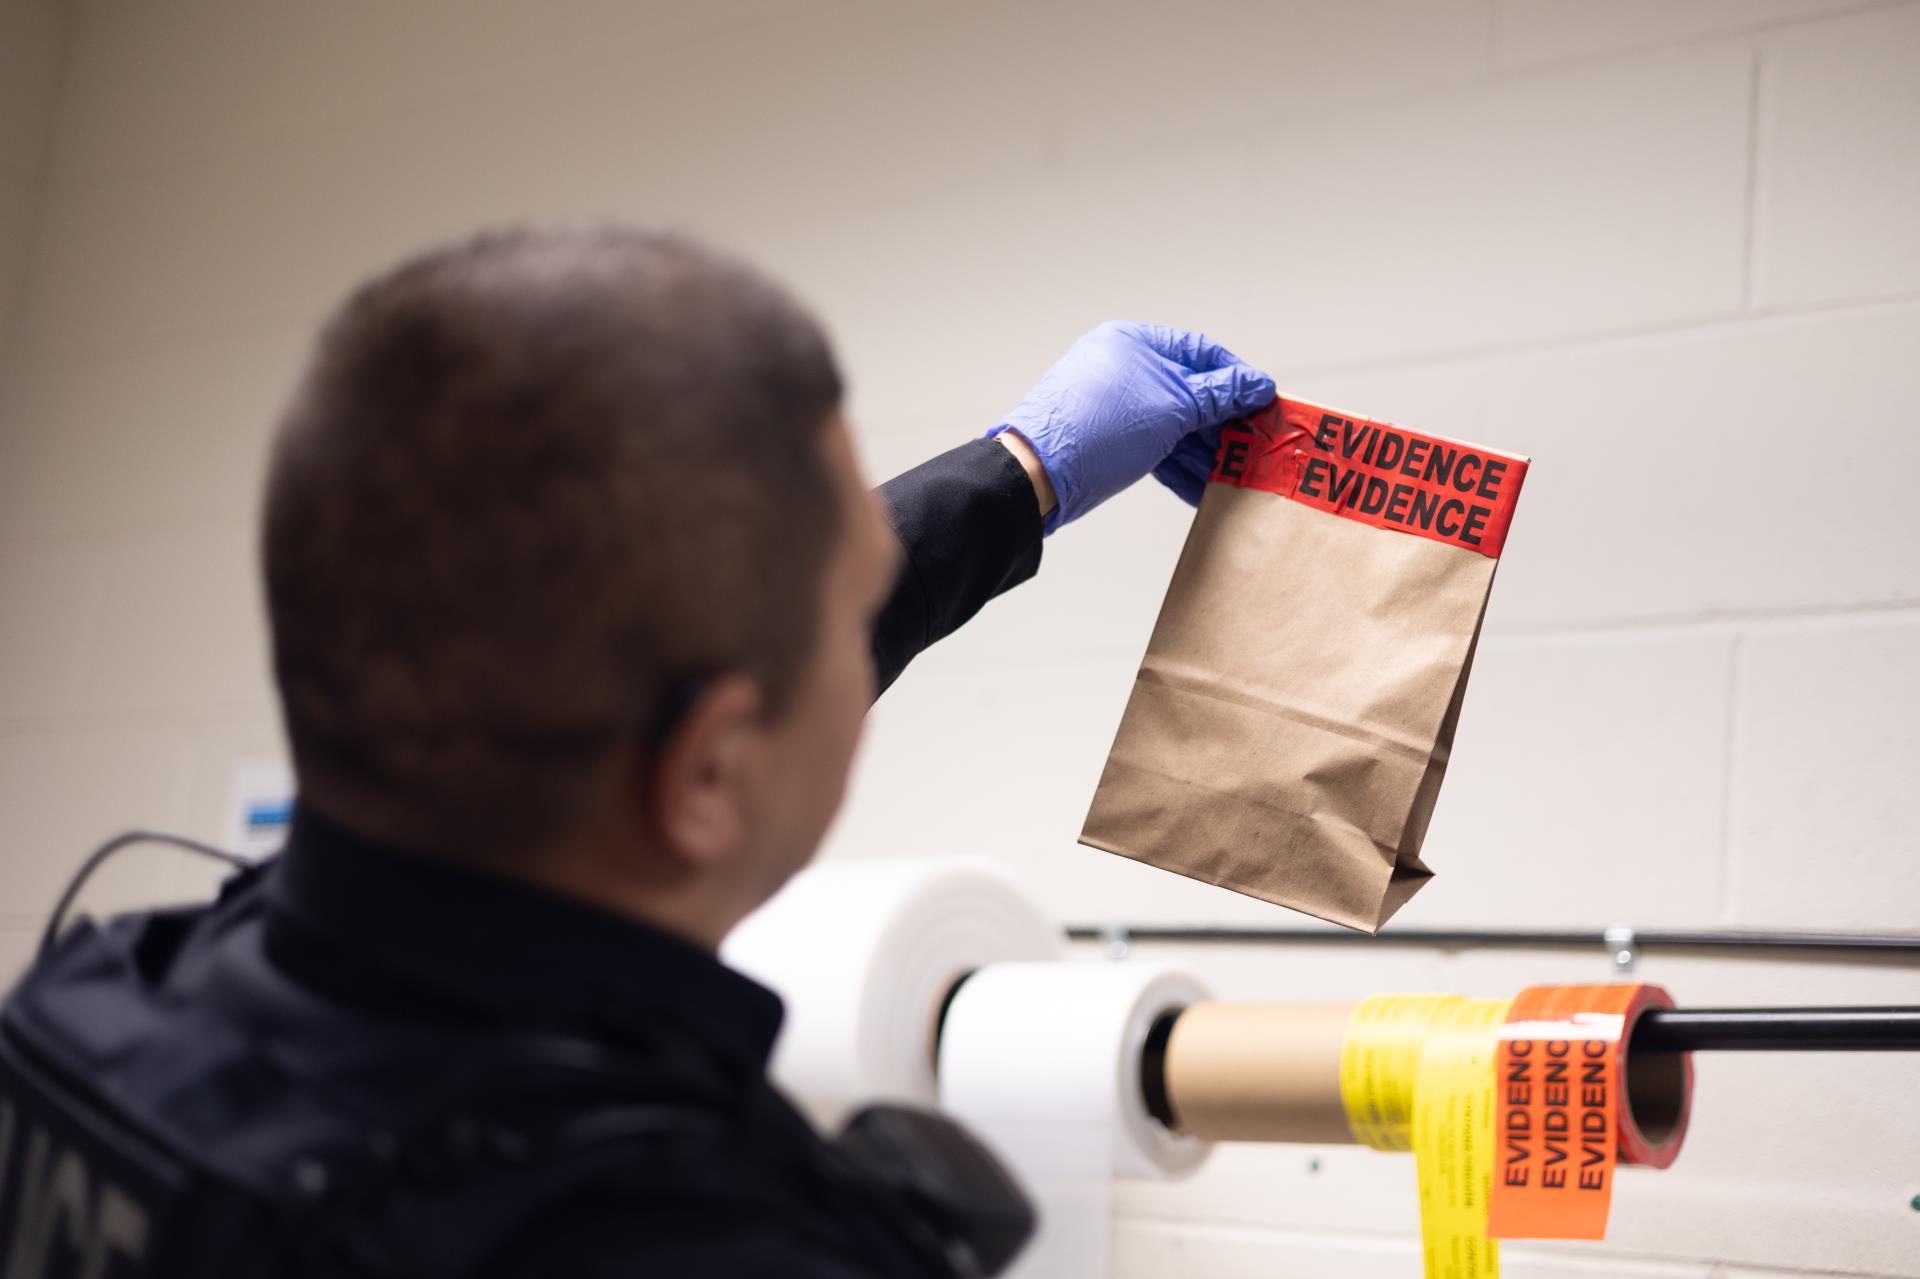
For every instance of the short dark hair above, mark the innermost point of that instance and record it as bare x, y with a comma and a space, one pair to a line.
531, 483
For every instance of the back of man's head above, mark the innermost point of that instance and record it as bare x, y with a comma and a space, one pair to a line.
531, 485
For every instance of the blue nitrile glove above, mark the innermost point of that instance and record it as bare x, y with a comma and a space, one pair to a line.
1127, 399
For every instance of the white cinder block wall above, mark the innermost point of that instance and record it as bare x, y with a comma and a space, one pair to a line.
1670, 248
31, 35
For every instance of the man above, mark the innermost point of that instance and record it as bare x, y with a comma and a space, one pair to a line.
577, 604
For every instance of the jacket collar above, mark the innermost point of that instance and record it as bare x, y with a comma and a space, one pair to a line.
456, 941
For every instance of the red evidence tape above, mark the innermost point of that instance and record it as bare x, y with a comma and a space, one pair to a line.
1374, 472
1568, 1110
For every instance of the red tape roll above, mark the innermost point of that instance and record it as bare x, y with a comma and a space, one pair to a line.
1572, 1101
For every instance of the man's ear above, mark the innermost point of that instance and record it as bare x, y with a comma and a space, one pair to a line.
699, 789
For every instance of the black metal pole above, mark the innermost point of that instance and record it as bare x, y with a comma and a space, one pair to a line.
1876, 1029
1884, 945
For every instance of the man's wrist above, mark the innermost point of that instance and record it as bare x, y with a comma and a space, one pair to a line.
1016, 444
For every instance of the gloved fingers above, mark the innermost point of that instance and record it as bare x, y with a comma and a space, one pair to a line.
1225, 394
1195, 352
1187, 469
1178, 476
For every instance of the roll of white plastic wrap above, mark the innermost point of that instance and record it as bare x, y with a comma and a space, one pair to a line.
1042, 1062
865, 955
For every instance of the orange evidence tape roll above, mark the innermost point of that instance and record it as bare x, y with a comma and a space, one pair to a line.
1573, 1101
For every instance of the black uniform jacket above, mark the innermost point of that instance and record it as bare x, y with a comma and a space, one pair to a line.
427, 944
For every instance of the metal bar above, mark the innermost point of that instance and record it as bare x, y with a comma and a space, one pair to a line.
1885, 945
1875, 1029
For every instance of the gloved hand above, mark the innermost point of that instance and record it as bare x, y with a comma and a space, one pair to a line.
1127, 399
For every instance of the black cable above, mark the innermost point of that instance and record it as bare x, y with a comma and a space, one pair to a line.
108, 849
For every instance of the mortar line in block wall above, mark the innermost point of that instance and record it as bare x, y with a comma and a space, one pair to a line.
209, 715
1631, 1262
1501, 72
1704, 323
113, 539
1161, 1220
1750, 226
298, 320
1735, 1270
29, 269
1728, 621
1729, 748
1496, 20
1068, 654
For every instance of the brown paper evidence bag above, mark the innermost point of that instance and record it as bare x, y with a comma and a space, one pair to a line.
1290, 724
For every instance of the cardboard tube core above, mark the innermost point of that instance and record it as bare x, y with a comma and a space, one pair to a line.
1259, 1072
1658, 1088
1271, 1072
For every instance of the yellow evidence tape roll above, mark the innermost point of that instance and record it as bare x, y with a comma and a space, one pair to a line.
1417, 1073
1379, 1062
